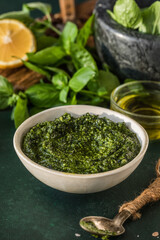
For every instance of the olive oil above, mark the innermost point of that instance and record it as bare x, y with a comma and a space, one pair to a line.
145, 109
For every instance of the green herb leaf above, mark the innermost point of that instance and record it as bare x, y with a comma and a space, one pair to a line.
93, 85
13, 100
63, 94
151, 19
43, 7
81, 78
111, 15
102, 91
129, 80
127, 13
45, 41
69, 35
18, 15
20, 112
107, 80
43, 95
82, 58
73, 100
85, 32
6, 91
35, 68
47, 56
57, 70
60, 80
35, 110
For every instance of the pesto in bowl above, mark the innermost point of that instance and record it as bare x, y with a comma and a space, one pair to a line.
85, 145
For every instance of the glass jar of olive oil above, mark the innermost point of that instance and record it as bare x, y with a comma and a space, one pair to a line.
140, 100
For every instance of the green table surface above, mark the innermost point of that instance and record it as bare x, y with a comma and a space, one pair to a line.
30, 210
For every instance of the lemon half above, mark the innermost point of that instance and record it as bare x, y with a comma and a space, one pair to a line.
15, 41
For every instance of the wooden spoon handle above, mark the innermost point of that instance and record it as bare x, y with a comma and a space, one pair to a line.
150, 194
67, 9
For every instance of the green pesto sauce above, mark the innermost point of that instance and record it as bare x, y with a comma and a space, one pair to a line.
92, 228
87, 144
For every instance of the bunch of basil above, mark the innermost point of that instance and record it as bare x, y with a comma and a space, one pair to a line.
69, 67
128, 14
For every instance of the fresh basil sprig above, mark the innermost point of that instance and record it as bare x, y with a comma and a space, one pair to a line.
43, 95
20, 111
85, 31
70, 72
48, 56
82, 58
69, 35
81, 78
127, 13
43, 7
20, 16
151, 19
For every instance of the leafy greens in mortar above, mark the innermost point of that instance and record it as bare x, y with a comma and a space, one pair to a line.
145, 20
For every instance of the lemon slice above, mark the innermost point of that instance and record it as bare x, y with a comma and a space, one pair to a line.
15, 41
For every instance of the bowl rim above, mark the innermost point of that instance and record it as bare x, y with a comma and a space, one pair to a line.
125, 111
120, 29
20, 153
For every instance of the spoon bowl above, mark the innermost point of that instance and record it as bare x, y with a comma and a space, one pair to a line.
104, 226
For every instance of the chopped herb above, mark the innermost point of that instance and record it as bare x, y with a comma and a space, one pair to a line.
85, 145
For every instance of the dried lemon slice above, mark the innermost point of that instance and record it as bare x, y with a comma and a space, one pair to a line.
15, 41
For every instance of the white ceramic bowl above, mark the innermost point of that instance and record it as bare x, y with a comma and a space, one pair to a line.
79, 183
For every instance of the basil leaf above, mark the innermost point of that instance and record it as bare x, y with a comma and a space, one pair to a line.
81, 78
93, 85
3, 102
107, 80
13, 100
85, 32
20, 112
5, 86
18, 15
127, 13
63, 94
102, 91
82, 58
111, 15
129, 80
47, 56
151, 19
45, 41
57, 70
69, 35
60, 80
35, 110
43, 95
73, 100
43, 7
35, 68
38, 29
6, 91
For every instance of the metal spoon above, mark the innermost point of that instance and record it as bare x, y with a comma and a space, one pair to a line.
104, 226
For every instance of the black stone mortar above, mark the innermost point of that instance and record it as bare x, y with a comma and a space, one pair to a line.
129, 53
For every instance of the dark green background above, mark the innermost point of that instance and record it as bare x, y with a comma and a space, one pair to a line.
30, 210
14, 5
